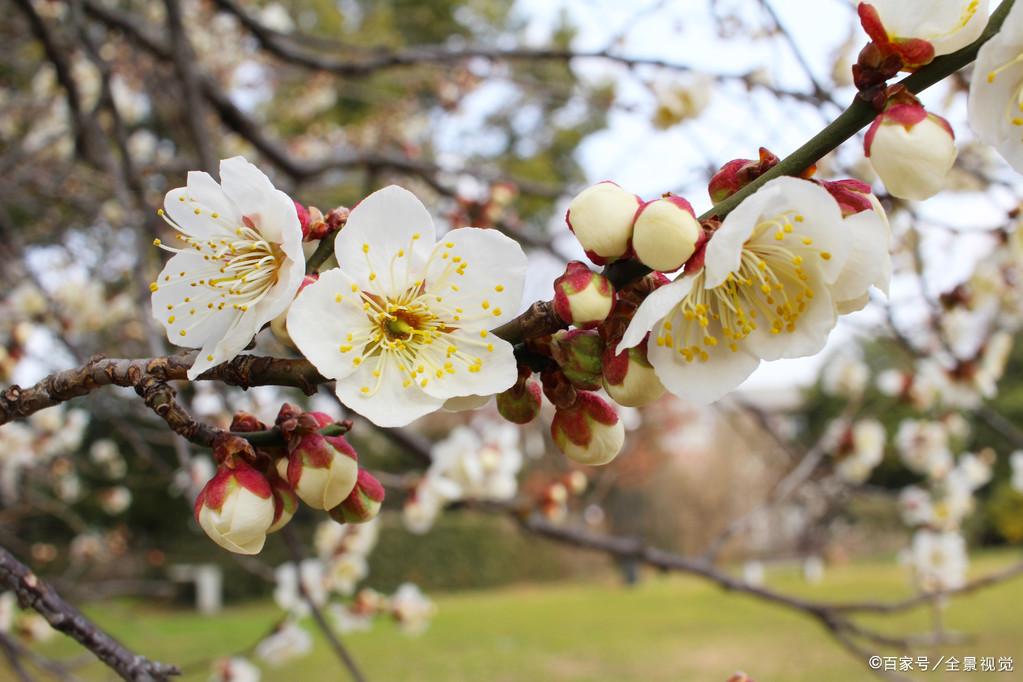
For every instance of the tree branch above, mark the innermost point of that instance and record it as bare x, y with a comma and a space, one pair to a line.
35, 594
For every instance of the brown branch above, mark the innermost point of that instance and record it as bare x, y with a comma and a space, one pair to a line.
297, 555
35, 594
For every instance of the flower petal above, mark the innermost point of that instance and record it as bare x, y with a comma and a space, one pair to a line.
193, 207
389, 235
479, 271
947, 25
319, 324
494, 357
869, 261
390, 404
701, 382
653, 309
810, 332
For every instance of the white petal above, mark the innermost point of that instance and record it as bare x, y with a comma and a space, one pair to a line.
724, 250
466, 403
390, 404
194, 315
811, 329
202, 193
319, 324
992, 104
380, 227
494, 268
947, 24
253, 193
653, 309
701, 382
869, 261
497, 369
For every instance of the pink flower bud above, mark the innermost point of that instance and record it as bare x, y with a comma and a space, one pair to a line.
521, 403
363, 504
578, 353
852, 196
582, 297
738, 173
236, 508
666, 233
912, 52
588, 432
285, 503
911, 150
321, 469
629, 378
303, 218
601, 219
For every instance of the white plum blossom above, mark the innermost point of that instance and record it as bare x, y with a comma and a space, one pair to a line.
996, 90
238, 266
236, 669
924, 447
345, 572
404, 324
290, 641
939, 560
863, 453
412, 609
915, 506
846, 376
947, 25
288, 593
778, 272
1016, 464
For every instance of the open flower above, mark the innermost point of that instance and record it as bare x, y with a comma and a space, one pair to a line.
778, 271
996, 90
403, 324
238, 266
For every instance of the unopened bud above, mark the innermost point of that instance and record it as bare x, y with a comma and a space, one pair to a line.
738, 173
629, 378
911, 150
303, 218
666, 233
285, 503
601, 219
581, 297
363, 504
588, 432
236, 508
321, 469
578, 353
521, 403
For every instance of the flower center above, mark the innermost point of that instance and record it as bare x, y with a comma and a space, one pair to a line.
769, 287
247, 268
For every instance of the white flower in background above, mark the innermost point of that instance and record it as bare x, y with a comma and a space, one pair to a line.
915, 506
975, 471
947, 25
114, 500
992, 363
780, 269
333, 539
681, 99
35, 628
105, 454
289, 642
864, 451
846, 376
236, 669
483, 464
425, 503
996, 90
1016, 465
403, 324
193, 475
939, 560
753, 573
412, 609
345, 620
288, 594
924, 447
345, 571
239, 265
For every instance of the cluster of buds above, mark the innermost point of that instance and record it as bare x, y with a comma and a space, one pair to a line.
611, 223
256, 491
552, 499
316, 225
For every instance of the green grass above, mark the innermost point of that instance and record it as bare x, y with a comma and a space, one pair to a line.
668, 628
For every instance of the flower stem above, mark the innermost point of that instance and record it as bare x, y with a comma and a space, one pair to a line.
323, 251
857, 115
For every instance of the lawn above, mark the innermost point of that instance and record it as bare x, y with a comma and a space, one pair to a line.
667, 628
